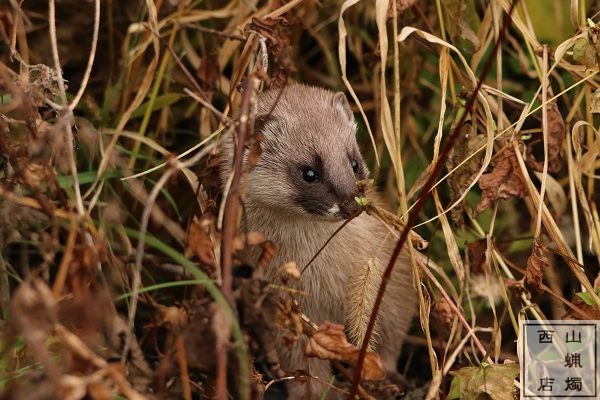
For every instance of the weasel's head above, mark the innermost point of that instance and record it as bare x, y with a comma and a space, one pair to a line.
310, 160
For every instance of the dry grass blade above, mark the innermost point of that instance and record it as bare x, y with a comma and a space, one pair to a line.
140, 94
343, 33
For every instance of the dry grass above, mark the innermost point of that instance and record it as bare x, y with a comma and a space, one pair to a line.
118, 273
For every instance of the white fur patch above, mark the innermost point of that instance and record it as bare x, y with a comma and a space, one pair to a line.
334, 210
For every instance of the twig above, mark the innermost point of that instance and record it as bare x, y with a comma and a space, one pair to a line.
88, 69
183, 367
412, 216
36, 205
346, 222
216, 32
222, 117
63, 269
77, 346
68, 115
232, 202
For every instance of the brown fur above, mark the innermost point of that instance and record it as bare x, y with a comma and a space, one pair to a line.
297, 124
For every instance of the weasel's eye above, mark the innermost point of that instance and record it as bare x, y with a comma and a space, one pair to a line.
355, 166
309, 175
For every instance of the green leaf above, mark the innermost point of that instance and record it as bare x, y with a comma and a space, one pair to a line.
161, 101
587, 297
494, 382
462, 23
362, 201
579, 49
66, 181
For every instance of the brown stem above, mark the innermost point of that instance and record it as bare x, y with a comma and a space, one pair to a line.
412, 216
232, 203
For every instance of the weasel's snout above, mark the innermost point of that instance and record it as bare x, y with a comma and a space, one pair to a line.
349, 208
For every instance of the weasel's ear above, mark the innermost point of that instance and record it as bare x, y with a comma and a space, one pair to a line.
341, 103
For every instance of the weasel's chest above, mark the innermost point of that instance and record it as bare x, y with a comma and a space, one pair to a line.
324, 282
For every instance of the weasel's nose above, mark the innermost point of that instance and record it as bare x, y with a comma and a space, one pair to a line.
349, 208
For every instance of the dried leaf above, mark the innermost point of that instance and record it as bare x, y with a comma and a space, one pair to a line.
255, 148
277, 34
248, 239
199, 243
289, 317
444, 311
71, 387
256, 239
478, 256
100, 391
460, 180
401, 5
208, 73
579, 49
503, 182
268, 251
536, 263
385, 389
330, 343
175, 318
595, 106
556, 138
288, 271
516, 285
585, 302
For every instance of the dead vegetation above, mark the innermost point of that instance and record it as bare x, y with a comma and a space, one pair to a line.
119, 275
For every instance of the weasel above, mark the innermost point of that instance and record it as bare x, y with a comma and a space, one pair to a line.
301, 190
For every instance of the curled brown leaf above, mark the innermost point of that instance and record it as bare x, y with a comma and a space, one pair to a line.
256, 239
556, 139
504, 182
200, 244
444, 311
516, 285
477, 256
329, 342
289, 271
277, 35
289, 318
401, 5
536, 263
465, 167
